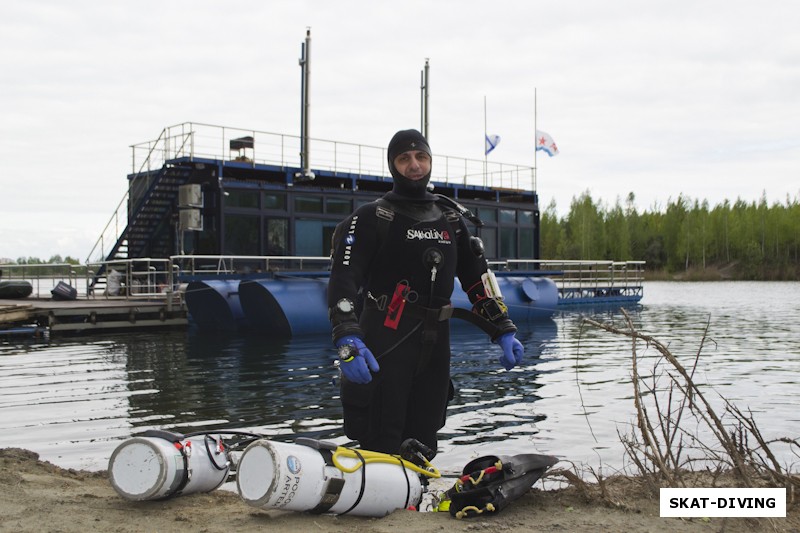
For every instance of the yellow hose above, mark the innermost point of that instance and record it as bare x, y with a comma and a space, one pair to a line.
377, 457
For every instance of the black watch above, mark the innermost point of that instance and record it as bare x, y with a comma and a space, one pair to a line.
347, 352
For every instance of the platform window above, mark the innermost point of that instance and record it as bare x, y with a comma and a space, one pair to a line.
508, 216
338, 206
313, 237
276, 233
526, 243
241, 235
240, 198
487, 214
526, 218
489, 238
273, 200
508, 243
308, 204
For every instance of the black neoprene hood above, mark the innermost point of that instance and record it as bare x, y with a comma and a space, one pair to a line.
405, 141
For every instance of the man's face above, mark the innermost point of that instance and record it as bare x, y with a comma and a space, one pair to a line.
413, 164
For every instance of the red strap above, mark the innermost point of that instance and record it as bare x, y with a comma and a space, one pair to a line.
396, 306
484, 472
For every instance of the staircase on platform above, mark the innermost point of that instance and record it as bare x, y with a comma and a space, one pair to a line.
149, 231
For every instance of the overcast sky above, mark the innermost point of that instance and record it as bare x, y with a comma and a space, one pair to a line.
700, 98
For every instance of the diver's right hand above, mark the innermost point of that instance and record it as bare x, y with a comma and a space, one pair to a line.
356, 366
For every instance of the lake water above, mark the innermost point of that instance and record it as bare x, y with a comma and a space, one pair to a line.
73, 400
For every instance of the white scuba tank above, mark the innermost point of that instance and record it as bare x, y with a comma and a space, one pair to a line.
295, 477
161, 464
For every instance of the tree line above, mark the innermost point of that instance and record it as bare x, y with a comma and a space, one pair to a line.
54, 259
748, 240
753, 240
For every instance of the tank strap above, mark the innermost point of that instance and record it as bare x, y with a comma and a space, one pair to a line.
363, 482
333, 489
176, 440
185, 477
334, 486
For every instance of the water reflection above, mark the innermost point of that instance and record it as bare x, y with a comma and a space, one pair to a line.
289, 386
192, 380
74, 400
489, 402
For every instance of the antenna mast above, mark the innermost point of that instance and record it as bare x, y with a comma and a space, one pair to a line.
424, 86
305, 106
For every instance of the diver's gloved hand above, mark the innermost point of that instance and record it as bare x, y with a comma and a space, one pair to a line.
357, 368
512, 350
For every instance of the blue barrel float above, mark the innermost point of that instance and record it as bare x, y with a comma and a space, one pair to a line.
292, 305
214, 305
286, 305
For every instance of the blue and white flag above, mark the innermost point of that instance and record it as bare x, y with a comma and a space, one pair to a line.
546, 143
491, 142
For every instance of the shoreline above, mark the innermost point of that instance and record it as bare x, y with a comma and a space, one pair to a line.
38, 496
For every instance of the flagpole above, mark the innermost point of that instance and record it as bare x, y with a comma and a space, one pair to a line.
536, 141
537, 232
485, 136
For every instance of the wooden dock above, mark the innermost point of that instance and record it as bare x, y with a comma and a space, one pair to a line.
88, 315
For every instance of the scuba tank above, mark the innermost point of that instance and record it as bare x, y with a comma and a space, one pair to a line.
322, 477
488, 484
159, 464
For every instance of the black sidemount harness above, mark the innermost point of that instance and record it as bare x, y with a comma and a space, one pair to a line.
453, 211
486, 318
490, 483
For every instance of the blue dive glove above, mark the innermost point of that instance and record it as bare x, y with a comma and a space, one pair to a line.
512, 350
356, 369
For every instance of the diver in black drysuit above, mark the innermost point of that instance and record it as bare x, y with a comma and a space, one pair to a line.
398, 258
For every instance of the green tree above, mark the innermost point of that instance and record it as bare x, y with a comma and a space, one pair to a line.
618, 235
550, 232
585, 229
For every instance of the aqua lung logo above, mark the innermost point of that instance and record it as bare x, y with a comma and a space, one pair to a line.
443, 237
293, 463
349, 241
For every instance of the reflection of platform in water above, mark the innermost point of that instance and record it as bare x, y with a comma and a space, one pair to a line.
84, 315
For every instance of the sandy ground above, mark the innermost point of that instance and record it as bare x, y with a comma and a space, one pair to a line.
37, 496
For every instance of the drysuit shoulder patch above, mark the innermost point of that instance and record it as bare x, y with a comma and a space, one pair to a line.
384, 213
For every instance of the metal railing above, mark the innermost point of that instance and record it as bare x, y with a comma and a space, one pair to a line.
43, 277
119, 219
192, 265
578, 279
130, 278
207, 141
147, 278
193, 140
